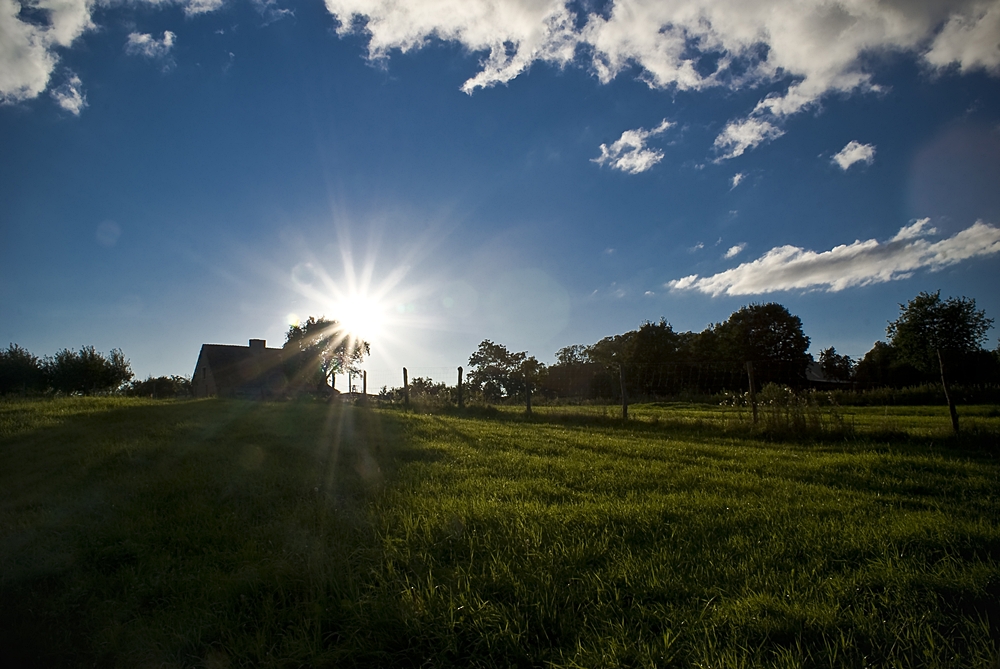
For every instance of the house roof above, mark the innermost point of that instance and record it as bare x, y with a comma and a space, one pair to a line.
235, 367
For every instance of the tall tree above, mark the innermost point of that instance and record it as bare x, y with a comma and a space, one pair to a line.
318, 348
931, 332
768, 336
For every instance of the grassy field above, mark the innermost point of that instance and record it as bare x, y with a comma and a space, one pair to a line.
225, 534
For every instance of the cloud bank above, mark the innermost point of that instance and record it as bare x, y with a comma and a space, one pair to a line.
817, 46
629, 153
857, 264
855, 152
809, 48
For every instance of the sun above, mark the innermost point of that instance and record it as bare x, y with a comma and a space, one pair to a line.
362, 316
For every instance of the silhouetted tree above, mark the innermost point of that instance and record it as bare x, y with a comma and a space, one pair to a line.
318, 348
771, 338
934, 332
500, 373
87, 371
20, 371
835, 366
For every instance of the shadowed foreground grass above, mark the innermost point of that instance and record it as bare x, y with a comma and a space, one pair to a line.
212, 533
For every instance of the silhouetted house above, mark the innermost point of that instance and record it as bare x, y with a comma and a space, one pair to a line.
247, 372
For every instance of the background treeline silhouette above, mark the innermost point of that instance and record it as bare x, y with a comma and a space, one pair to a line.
83, 372
657, 361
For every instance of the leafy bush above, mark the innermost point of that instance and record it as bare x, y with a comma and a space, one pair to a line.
161, 387
88, 371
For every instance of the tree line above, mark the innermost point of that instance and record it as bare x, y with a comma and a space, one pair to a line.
83, 372
932, 340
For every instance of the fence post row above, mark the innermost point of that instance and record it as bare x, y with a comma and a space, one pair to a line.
753, 391
460, 404
406, 390
621, 381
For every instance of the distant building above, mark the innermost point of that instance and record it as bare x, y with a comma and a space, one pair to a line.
246, 372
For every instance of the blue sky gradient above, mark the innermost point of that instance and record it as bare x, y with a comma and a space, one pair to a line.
163, 192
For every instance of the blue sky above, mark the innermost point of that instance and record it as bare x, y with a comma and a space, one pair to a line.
537, 173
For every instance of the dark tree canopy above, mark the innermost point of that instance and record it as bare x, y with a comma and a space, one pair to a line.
930, 330
928, 325
768, 336
499, 373
835, 366
88, 371
320, 348
20, 371
760, 332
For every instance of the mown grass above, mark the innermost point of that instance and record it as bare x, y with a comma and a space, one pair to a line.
214, 533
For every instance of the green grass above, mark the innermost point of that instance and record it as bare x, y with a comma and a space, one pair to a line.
214, 533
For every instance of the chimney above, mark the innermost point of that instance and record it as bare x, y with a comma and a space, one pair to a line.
257, 345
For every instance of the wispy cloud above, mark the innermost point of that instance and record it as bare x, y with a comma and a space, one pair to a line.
857, 264
629, 153
738, 136
734, 251
70, 96
144, 44
195, 7
697, 247
855, 152
737, 179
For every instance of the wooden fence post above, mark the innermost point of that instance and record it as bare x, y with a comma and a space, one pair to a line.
460, 402
621, 381
527, 398
364, 385
753, 391
406, 390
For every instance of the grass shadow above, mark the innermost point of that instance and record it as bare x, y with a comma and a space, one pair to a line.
188, 533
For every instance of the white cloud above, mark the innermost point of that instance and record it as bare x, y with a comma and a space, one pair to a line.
195, 7
737, 178
738, 136
516, 33
808, 48
29, 47
969, 40
144, 44
734, 251
697, 247
70, 95
855, 152
817, 46
918, 228
857, 264
629, 153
